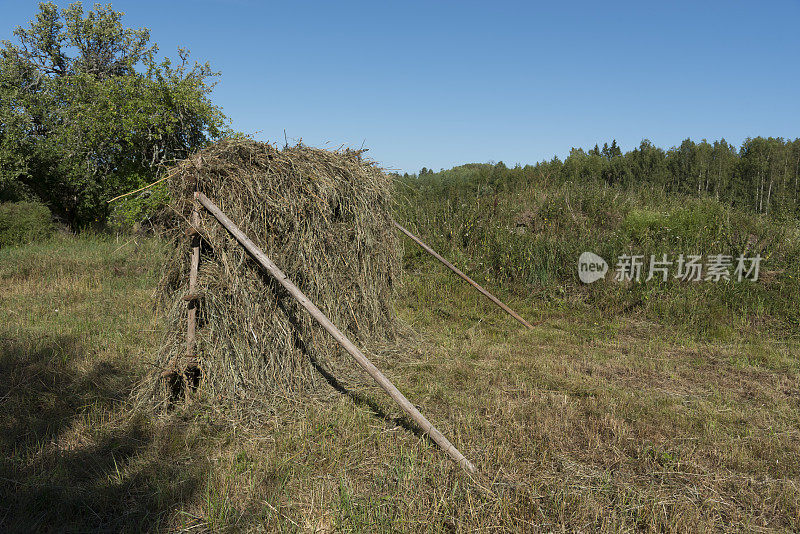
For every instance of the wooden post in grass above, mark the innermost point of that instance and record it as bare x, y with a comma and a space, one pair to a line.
466, 278
191, 297
337, 334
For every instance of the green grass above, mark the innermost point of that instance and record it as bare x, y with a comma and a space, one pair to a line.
596, 420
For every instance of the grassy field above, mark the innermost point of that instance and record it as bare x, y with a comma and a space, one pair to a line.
593, 421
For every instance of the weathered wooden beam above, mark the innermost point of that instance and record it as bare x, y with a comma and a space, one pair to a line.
195, 263
466, 278
337, 334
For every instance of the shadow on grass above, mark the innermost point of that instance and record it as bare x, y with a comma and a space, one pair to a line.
63, 470
363, 400
285, 304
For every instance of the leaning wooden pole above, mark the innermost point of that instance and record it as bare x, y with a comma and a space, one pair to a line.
337, 334
466, 278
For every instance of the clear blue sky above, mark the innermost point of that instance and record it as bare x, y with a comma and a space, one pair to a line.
437, 84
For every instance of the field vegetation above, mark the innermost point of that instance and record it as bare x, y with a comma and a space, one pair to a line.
651, 405
524, 229
654, 406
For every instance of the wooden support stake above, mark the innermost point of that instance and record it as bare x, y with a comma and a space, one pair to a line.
337, 334
190, 329
466, 278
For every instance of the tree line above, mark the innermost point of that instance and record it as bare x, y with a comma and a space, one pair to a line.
763, 175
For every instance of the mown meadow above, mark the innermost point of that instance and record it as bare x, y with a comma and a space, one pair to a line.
651, 406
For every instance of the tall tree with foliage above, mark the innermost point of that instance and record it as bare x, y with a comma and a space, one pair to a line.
88, 111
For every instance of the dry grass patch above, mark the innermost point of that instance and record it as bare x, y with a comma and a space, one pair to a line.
587, 423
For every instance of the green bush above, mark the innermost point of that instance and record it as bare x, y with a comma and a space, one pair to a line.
24, 222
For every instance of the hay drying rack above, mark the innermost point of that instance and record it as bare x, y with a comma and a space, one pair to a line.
191, 373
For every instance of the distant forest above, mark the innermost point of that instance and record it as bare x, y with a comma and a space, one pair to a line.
762, 175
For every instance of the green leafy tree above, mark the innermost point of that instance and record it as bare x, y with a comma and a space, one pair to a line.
87, 111
701, 165
611, 152
793, 176
754, 170
574, 168
647, 164
724, 158
681, 164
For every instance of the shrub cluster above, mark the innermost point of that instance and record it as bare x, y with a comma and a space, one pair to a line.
24, 222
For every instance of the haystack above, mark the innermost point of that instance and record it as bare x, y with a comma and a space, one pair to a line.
324, 218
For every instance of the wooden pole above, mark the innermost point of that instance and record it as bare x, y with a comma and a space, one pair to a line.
192, 296
466, 278
337, 334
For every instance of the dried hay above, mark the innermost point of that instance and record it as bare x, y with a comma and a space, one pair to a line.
324, 218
